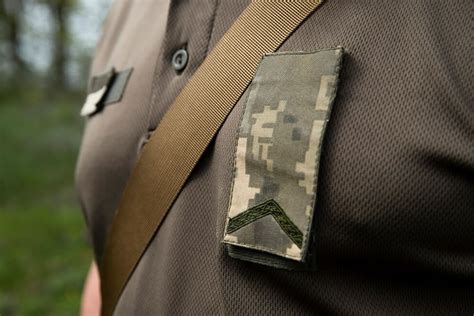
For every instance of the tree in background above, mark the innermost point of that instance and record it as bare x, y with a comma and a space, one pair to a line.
60, 11
11, 19
13, 26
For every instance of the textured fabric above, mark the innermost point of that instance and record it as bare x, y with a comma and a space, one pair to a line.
393, 233
277, 154
186, 130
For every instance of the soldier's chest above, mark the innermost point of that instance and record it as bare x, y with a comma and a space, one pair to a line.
394, 171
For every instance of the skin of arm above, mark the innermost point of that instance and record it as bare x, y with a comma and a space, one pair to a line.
91, 299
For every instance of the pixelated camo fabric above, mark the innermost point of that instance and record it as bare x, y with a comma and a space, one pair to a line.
277, 155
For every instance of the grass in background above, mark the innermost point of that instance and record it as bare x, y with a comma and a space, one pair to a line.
43, 252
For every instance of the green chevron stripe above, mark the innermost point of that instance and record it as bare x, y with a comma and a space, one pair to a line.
270, 207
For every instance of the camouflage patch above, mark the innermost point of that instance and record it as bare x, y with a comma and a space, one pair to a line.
277, 156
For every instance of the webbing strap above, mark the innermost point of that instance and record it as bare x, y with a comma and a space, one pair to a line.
186, 130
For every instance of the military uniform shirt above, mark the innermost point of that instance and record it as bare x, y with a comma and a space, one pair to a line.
394, 215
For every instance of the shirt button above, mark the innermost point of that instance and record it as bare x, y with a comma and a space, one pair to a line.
180, 59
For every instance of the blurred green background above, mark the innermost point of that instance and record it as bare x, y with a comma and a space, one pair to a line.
45, 51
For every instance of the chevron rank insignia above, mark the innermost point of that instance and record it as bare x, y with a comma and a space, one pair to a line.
272, 204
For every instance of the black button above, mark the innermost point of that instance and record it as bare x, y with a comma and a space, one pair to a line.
180, 59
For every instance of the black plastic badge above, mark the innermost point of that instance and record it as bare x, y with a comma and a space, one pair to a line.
104, 89
104, 80
117, 87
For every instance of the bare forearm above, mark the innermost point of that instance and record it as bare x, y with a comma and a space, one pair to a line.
91, 300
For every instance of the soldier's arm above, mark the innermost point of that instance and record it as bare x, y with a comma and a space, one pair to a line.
91, 300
